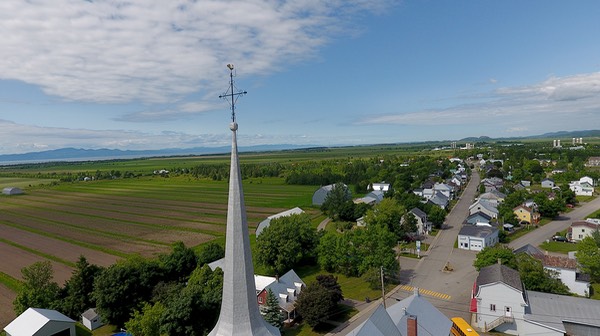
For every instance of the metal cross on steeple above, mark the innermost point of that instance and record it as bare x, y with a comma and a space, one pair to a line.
231, 93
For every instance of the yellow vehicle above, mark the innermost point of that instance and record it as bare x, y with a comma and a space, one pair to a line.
460, 327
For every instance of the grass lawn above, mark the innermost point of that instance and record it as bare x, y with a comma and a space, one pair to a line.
596, 291
595, 214
352, 288
520, 232
559, 247
584, 198
343, 313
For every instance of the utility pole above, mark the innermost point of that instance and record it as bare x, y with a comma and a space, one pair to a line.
382, 289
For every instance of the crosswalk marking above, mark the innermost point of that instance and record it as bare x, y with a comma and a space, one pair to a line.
426, 292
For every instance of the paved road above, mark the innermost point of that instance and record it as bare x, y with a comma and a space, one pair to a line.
538, 236
448, 291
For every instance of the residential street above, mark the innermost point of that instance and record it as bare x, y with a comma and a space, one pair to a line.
539, 235
448, 291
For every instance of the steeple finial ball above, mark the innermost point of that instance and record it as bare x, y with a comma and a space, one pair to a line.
233, 126
230, 66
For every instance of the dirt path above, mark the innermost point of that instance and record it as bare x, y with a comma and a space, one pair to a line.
323, 224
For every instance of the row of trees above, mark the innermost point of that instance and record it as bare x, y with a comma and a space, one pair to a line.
137, 293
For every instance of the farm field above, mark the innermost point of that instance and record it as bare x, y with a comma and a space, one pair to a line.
23, 183
108, 220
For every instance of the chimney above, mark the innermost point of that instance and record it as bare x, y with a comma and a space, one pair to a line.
277, 277
411, 325
416, 291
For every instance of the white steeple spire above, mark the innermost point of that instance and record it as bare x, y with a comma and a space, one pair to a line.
239, 310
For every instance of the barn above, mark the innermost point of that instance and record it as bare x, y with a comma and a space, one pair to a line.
12, 191
321, 194
265, 223
38, 322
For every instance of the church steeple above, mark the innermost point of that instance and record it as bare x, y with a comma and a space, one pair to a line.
239, 310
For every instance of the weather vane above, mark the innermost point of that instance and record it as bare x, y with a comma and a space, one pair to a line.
230, 93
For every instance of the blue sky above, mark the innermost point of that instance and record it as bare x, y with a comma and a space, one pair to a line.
144, 74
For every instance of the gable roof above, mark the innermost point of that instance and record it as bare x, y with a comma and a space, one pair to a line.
552, 309
479, 214
529, 249
419, 213
430, 321
499, 273
90, 314
34, 319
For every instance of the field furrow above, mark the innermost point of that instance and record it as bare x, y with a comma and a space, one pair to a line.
7, 314
14, 259
56, 247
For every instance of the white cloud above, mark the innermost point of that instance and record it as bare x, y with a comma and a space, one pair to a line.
558, 103
157, 51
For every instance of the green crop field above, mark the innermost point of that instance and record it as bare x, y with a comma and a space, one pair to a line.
23, 183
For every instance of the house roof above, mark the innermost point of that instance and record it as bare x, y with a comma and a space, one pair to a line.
552, 309
478, 231
430, 321
499, 273
584, 223
547, 180
479, 214
34, 319
439, 199
521, 206
90, 314
418, 212
484, 204
529, 249
285, 288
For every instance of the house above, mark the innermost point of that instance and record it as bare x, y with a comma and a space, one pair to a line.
445, 189
478, 217
41, 322
423, 225
485, 207
581, 229
526, 214
411, 316
581, 189
286, 288
361, 221
587, 179
548, 183
321, 194
526, 183
564, 268
593, 161
91, 319
382, 186
493, 197
12, 191
501, 302
265, 223
492, 183
477, 237
498, 299
439, 199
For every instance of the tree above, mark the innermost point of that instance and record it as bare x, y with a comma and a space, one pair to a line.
388, 213
147, 321
210, 252
272, 312
76, 295
314, 304
201, 297
588, 257
330, 282
536, 278
179, 263
38, 289
123, 287
491, 254
335, 200
437, 216
286, 242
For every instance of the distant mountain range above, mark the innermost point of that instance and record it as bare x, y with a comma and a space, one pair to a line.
79, 154
551, 135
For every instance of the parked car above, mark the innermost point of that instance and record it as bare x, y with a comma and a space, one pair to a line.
559, 238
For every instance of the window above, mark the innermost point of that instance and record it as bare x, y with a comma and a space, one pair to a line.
582, 230
580, 236
492, 307
260, 300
